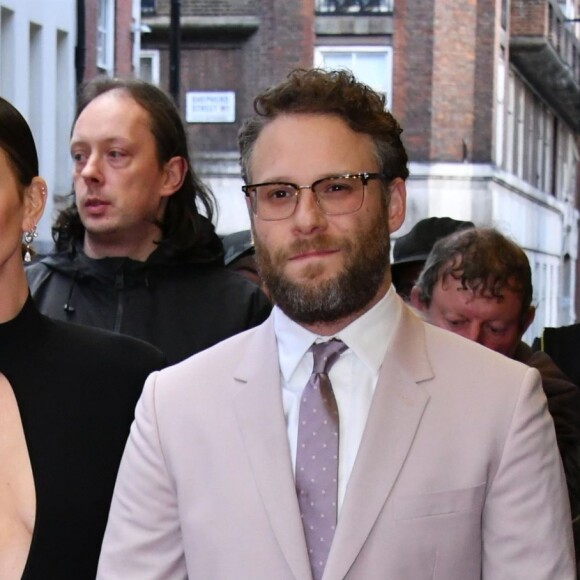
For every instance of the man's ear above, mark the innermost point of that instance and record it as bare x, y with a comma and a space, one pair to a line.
34, 202
175, 172
528, 318
415, 300
397, 204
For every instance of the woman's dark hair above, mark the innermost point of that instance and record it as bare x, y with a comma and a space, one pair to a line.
18, 143
183, 228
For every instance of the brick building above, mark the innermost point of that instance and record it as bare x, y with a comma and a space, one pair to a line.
229, 50
488, 95
106, 37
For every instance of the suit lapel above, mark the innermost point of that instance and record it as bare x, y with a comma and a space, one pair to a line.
258, 405
396, 411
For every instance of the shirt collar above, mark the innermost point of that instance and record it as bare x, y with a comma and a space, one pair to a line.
368, 336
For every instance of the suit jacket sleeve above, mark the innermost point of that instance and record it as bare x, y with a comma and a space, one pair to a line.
526, 522
143, 538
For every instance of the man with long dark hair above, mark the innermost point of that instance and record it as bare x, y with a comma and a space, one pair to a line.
134, 253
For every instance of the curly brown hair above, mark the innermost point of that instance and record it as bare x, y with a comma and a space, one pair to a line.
329, 93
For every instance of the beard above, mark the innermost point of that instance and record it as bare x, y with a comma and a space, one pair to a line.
346, 293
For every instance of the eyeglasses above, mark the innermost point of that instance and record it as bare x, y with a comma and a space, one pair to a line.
335, 195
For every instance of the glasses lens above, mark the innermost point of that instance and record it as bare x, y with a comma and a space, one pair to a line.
339, 195
274, 201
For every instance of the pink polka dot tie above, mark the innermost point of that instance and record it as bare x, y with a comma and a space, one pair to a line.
317, 456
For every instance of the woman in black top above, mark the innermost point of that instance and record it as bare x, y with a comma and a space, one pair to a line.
67, 396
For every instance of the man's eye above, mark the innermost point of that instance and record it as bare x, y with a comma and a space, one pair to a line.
78, 157
116, 154
280, 193
336, 186
340, 186
496, 330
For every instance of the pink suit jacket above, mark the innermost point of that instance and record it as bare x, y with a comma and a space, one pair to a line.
457, 477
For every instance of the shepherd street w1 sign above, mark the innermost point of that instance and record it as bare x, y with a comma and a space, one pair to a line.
210, 106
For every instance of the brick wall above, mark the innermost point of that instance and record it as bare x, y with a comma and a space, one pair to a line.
443, 78
211, 7
485, 81
453, 79
236, 60
123, 38
412, 73
91, 19
528, 17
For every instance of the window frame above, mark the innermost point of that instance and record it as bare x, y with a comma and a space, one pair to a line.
353, 49
153, 56
105, 45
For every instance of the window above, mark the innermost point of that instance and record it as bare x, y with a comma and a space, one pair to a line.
149, 66
354, 6
106, 35
372, 65
148, 7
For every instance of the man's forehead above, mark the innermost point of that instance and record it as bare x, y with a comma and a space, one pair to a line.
115, 104
111, 124
490, 290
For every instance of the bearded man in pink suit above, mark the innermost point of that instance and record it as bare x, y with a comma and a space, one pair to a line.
446, 465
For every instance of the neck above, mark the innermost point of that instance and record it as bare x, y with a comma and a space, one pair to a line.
98, 247
14, 291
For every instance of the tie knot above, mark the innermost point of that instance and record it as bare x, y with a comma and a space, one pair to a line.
325, 354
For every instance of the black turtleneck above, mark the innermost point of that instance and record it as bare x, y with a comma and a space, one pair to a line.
76, 390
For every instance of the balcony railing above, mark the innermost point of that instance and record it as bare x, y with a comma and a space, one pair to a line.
350, 7
547, 53
565, 43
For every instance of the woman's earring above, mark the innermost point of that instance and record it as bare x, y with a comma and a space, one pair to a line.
28, 238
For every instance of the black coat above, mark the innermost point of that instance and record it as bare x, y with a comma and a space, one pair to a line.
178, 304
76, 390
564, 406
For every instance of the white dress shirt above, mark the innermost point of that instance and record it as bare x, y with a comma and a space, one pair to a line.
353, 377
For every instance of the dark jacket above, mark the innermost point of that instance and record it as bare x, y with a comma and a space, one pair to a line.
76, 390
564, 406
562, 344
181, 304
562, 394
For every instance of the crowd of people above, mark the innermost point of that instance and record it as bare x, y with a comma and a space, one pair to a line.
280, 404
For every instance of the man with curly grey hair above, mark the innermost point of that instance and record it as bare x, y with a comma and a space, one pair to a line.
478, 283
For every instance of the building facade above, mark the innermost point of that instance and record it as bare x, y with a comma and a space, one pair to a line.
46, 50
488, 95
37, 52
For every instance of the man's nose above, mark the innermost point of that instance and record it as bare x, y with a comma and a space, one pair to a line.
92, 168
474, 332
308, 215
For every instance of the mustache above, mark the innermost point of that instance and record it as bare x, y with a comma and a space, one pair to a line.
320, 244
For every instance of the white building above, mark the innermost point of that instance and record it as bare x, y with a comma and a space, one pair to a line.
37, 52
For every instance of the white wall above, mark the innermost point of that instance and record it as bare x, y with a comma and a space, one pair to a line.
37, 43
545, 227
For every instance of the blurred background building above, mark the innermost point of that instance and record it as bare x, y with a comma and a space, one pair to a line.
488, 95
